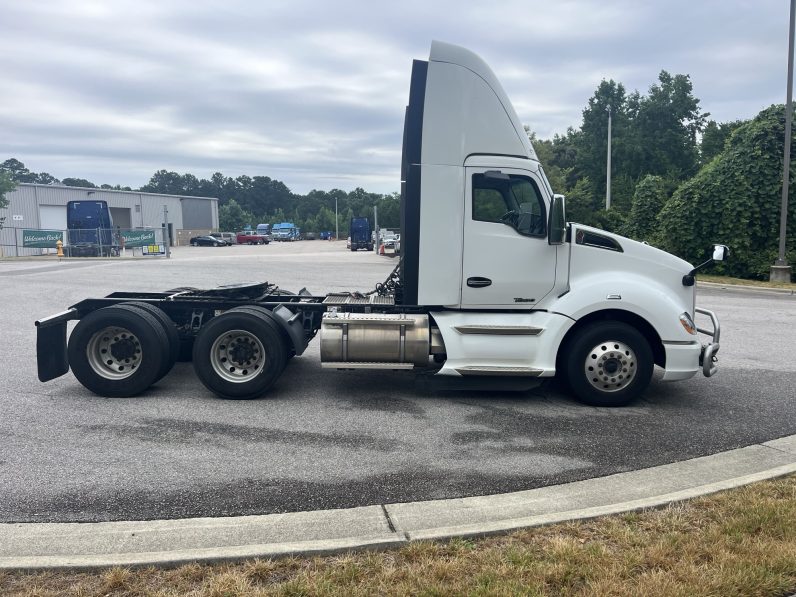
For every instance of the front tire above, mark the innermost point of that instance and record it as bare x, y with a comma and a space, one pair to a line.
239, 355
608, 363
118, 351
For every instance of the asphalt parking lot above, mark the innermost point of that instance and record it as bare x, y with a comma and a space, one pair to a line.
328, 439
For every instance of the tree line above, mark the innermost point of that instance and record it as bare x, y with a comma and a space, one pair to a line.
679, 180
249, 200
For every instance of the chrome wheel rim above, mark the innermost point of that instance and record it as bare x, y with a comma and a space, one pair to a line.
610, 366
114, 353
237, 356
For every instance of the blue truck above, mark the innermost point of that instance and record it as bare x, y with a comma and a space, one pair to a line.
90, 229
361, 234
285, 232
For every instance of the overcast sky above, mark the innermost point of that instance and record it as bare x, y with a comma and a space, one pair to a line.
313, 92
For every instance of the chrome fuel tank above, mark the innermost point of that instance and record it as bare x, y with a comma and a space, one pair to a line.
375, 338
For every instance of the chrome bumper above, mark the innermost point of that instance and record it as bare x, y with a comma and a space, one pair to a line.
707, 357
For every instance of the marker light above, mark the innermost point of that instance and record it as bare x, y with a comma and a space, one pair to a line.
688, 323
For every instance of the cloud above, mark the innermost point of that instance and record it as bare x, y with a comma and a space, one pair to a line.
313, 93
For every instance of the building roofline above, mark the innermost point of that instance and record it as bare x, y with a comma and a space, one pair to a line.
97, 189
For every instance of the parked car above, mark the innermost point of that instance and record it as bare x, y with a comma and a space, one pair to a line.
252, 238
208, 241
230, 237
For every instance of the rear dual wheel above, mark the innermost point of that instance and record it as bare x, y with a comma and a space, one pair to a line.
240, 354
120, 351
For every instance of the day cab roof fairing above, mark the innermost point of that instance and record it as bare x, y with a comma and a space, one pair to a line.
457, 108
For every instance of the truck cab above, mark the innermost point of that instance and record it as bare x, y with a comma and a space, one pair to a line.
519, 292
361, 235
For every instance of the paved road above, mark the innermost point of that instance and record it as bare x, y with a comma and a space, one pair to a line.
326, 439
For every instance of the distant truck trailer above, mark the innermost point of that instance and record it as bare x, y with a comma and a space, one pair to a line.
361, 237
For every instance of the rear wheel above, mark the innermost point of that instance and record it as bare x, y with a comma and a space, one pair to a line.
168, 326
240, 354
269, 317
118, 351
608, 363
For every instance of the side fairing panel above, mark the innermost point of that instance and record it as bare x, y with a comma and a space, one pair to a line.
477, 339
440, 266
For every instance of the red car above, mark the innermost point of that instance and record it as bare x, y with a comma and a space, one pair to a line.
252, 238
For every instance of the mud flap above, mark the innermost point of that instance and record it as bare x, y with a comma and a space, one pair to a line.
51, 351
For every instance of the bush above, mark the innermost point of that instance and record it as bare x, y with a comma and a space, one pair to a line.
735, 200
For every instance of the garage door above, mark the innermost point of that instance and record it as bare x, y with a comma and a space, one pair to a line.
52, 217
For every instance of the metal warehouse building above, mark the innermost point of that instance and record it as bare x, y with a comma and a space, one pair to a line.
37, 206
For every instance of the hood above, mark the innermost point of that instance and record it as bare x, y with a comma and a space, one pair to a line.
630, 248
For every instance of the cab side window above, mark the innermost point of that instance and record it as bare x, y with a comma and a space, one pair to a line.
509, 199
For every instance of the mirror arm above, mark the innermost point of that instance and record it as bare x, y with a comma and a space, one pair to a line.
688, 279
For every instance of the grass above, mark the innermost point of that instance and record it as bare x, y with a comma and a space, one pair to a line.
742, 282
740, 542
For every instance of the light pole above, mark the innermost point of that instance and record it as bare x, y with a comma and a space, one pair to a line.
336, 229
608, 165
781, 271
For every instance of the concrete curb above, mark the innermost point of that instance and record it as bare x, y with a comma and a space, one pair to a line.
173, 542
746, 288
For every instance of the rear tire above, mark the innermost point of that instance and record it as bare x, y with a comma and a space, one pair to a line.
118, 351
608, 363
240, 354
273, 321
168, 326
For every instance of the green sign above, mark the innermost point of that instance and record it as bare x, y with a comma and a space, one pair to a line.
42, 239
138, 238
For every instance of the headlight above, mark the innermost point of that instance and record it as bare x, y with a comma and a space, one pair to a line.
688, 323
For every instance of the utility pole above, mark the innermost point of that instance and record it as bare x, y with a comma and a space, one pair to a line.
376, 226
336, 227
166, 236
608, 166
781, 271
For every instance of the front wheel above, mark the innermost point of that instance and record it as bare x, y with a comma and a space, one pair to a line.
608, 363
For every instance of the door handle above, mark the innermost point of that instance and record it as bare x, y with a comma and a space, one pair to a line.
478, 282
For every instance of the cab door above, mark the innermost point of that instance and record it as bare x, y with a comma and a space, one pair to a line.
507, 261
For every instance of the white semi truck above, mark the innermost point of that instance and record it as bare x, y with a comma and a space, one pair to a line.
503, 294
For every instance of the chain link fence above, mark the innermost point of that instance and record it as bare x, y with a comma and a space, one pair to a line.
94, 242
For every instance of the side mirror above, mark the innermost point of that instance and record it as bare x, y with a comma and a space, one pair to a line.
557, 221
720, 253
